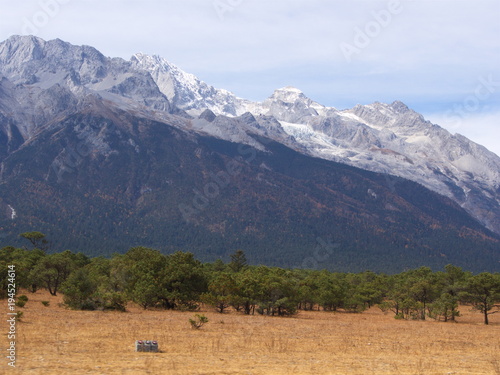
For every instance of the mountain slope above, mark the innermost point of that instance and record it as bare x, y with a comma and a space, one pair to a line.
388, 138
95, 155
149, 183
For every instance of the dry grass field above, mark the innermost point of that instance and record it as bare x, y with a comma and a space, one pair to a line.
52, 340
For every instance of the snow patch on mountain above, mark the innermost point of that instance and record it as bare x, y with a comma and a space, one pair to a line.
188, 92
13, 214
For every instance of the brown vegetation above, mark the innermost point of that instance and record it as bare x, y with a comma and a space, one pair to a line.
53, 340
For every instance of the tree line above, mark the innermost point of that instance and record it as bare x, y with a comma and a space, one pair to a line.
179, 281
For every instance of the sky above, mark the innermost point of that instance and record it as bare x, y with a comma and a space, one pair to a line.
440, 57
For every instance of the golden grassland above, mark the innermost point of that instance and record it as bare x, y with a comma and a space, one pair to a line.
53, 340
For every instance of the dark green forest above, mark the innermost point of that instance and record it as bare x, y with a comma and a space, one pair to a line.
154, 280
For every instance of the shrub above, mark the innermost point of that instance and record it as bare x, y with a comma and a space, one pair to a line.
46, 303
20, 303
198, 321
399, 316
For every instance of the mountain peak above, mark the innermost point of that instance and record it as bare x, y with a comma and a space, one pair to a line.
185, 90
24, 39
290, 89
288, 94
23, 47
399, 107
152, 61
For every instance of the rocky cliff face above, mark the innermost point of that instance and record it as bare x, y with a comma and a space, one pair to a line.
63, 75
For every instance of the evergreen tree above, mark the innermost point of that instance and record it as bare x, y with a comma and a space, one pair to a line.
52, 270
182, 281
221, 291
238, 261
483, 291
80, 290
37, 239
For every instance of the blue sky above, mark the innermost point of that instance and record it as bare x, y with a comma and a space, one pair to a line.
441, 57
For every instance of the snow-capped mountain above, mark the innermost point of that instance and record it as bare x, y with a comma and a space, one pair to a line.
43, 80
388, 138
188, 92
104, 153
194, 96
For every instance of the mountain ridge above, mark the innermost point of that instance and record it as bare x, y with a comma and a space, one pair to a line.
374, 137
92, 146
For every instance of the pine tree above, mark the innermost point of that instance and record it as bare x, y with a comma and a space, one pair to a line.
238, 261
